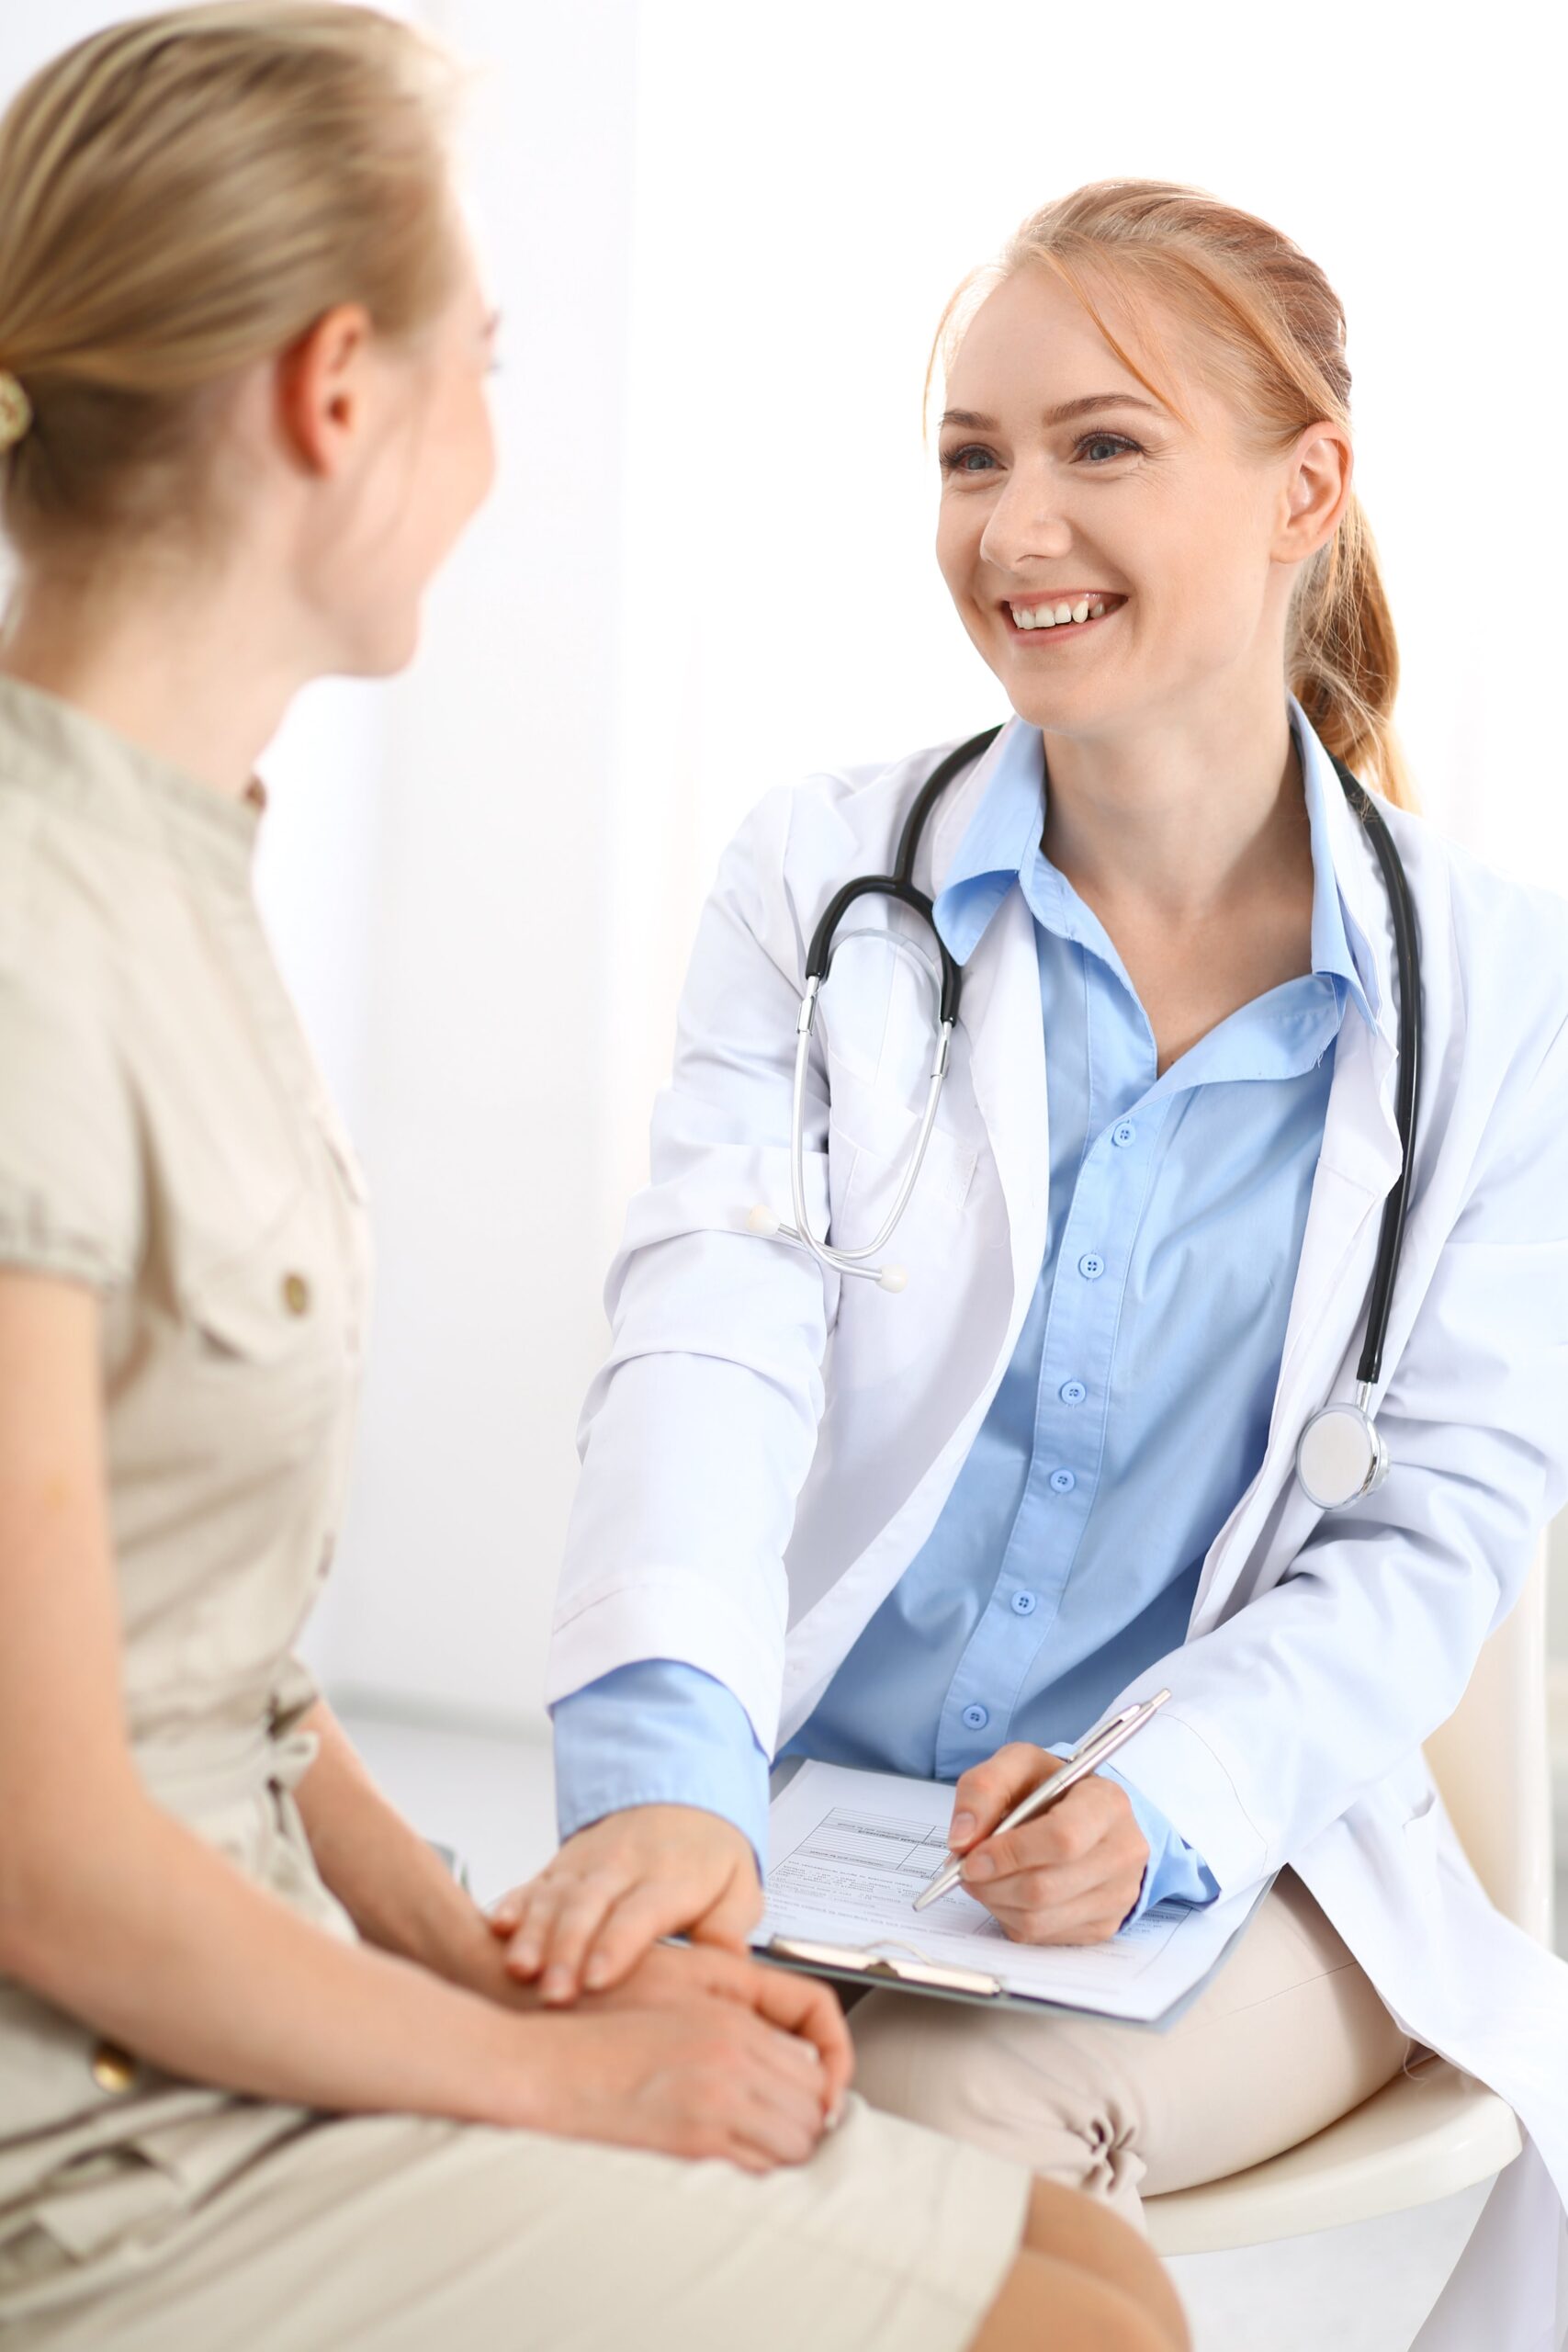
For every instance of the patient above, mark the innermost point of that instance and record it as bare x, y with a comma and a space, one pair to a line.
263, 2075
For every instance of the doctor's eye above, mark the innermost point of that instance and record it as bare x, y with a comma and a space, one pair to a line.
1117, 443
956, 461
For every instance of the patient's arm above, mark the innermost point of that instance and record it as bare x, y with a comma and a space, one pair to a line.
119, 1915
393, 1885
401, 1897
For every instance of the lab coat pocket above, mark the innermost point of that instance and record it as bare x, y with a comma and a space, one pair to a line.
873, 1136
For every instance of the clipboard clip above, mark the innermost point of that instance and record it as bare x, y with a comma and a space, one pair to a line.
884, 1966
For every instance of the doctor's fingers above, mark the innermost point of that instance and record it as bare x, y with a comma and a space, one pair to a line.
1079, 1902
562, 1921
601, 1949
1094, 1819
988, 1791
652, 1908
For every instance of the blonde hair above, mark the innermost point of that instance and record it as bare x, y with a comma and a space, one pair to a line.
1273, 335
182, 196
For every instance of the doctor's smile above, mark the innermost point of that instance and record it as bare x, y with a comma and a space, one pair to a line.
1087, 1366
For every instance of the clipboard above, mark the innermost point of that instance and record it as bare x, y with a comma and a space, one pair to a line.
896, 1967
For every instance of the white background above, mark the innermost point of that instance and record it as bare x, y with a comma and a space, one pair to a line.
721, 234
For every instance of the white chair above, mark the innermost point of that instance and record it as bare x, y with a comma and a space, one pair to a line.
1435, 2130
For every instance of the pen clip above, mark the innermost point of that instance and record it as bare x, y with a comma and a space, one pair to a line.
1094, 1736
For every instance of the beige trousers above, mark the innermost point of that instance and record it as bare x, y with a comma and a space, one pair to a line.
1290, 2036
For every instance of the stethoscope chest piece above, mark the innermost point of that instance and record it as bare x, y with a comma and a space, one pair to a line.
1341, 1456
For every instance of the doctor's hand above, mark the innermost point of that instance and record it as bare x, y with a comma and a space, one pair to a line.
1071, 1876
617, 1887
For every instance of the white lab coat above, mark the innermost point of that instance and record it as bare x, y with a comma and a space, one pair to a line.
768, 1446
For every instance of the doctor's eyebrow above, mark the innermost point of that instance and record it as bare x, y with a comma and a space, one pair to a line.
1062, 414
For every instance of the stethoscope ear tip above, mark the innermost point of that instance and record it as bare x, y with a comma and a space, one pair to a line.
893, 1278
763, 1222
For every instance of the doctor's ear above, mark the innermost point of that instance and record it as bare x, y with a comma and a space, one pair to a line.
322, 384
1317, 489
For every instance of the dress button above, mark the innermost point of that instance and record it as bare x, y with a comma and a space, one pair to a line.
1024, 1604
1063, 1481
113, 2069
1072, 1392
1123, 1133
976, 1717
296, 1293
1091, 1266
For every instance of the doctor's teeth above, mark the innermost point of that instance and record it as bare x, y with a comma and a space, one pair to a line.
1053, 615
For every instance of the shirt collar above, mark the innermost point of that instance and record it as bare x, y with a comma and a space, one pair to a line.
51, 748
1001, 847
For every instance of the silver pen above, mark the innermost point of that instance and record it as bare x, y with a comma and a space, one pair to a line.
1093, 1752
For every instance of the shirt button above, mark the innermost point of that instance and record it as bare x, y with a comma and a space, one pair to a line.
1072, 1392
1024, 1604
1063, 1481
1092, 1266
976, 1717
296, 1293
113, 2070
1122, 1135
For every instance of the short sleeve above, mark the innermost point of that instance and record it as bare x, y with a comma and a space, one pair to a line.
70, 1168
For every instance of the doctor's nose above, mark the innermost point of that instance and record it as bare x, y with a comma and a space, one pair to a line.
1026, 525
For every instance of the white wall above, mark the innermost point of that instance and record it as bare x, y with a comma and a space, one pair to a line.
721, 234
482, 1108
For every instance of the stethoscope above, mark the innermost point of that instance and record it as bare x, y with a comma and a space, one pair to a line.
1342, 1455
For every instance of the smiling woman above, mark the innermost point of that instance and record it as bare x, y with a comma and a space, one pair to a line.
947, 1527
1217, 344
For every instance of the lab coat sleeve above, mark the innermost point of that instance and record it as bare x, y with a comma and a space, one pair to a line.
658, 1733
700, 1428
1287, 1712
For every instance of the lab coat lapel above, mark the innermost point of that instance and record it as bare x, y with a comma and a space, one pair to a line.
999, 1018
1001, 1044
1357, 1163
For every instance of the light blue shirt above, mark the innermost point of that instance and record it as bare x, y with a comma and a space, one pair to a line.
1132, 1416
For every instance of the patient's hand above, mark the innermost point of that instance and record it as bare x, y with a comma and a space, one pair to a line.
1071, 1876
673, 1975
707, 2078
616, 1887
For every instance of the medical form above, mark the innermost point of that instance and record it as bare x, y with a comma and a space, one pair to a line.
849, 1850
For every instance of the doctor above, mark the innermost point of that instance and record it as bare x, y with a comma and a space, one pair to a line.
940, 1528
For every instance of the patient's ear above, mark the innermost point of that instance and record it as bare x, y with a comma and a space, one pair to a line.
323, 388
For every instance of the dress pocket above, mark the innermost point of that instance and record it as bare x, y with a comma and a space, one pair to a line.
272, 1351
264, 1300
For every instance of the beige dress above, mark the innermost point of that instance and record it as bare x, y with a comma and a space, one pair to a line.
164, 1137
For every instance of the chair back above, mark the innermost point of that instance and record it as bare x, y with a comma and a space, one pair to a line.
1492, 1763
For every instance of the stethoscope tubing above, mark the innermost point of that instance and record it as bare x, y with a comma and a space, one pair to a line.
1407, 965
901, 887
